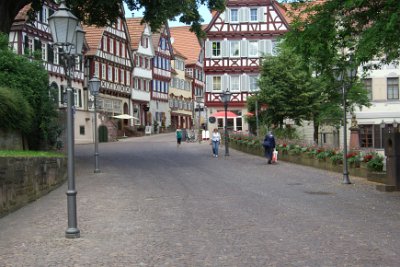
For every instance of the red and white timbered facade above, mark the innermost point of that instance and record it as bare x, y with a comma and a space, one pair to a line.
236, 40
109, 58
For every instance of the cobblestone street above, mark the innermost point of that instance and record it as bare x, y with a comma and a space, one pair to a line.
155, 204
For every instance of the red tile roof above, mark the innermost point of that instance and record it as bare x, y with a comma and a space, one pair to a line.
93, 38
135, 29
186, 42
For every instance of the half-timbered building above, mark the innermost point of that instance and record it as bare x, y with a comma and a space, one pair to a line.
143, 54
159, 109
190, 46
180, 94
235, 43
33, 39
109, 58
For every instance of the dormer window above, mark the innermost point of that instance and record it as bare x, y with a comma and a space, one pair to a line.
234, 15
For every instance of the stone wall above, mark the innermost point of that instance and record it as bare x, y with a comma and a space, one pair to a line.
10, 140
23, 180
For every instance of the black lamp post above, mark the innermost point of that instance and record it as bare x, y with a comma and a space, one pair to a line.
68, 35
226, 97
345, 75
94, 86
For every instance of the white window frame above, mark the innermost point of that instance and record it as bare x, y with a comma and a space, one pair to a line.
105, 43
96, 69
111, 46
123, 76
253, 83
216, 50
110, 73
44, 51
250, 15
216, 80
233, 11
103, 71
116, 75
117, 44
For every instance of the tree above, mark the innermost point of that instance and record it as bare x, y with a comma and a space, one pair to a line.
102, 12
372, 27
29, 80
292, 89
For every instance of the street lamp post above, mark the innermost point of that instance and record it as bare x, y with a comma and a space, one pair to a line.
343, 75
94, 86
198, 100
226, 97
68, 35
256, 113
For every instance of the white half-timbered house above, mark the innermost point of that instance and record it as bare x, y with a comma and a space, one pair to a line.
235, 42
33, 39
159, 109
187, 43
143, 53
109, 58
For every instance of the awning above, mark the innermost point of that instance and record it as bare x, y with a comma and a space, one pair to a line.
221, 114
125, 117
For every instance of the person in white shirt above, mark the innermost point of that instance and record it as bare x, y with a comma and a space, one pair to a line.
215, 140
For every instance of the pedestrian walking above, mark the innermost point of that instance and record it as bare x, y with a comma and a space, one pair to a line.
269, 146
215, 140
178, 137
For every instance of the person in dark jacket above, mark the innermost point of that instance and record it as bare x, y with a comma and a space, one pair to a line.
269, 145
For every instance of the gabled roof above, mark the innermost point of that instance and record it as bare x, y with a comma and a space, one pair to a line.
23, 13
135, 29
93, 38
294, 10
177, 53
157, 35
186, 42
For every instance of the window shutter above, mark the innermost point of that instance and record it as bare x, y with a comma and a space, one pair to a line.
209, 83
261, 47
241, 14
227, 15
208, 49
268, 47
225, 48
225, 82
244, 83
26, 44
246, 14
244, 48
261, 14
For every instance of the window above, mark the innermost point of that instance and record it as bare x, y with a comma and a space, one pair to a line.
82, 130
111, 46
253, 14
216, 49
56, 55
234, 15
235, 48
96, 69
128, 78
123, 76
253, 48
104, 43
110, 73
44, 51
116, 75
235, 83
392, 88
253, 83
123, 51
217, 83
117, 47
368, 87
366, 136
103, 71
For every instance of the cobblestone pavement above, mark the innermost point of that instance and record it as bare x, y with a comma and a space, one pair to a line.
155, 204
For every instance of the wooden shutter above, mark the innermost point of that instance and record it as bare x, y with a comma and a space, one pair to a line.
207, 48
225, 48
244, 48
227, 15
225, 79
261, 14
244, 83
268, 47
209, 83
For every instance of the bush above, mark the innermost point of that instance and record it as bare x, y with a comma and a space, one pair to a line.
375, 163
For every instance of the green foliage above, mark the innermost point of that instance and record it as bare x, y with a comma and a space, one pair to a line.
30, 80
15, 111
24, 153
286, 133
102, 12
375, 163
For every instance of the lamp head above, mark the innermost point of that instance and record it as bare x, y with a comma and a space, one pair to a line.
94, 85
63, 26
